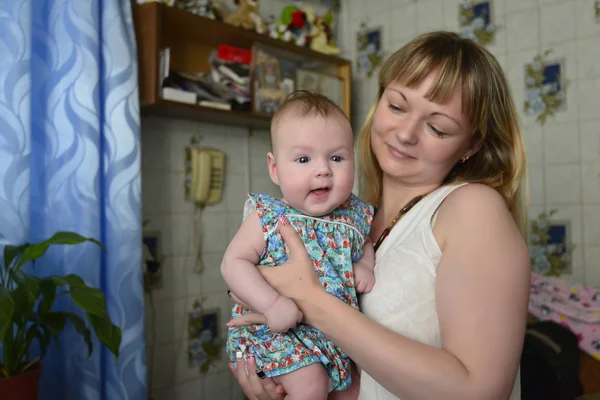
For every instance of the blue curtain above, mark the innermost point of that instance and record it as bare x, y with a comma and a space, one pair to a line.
70, 160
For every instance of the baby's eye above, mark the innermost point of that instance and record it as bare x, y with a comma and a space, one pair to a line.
336, 158
302, 160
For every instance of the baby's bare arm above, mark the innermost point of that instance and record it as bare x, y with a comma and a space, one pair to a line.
367, 259
239, 266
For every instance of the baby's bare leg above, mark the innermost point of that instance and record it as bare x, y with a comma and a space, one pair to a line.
307, 383
347, 394
352, 392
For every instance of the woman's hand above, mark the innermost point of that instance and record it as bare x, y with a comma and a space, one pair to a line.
257, 388
253, 386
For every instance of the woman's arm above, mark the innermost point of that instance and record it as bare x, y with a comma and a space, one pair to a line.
481, 292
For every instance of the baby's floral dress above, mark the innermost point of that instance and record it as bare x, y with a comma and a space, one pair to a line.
334, 242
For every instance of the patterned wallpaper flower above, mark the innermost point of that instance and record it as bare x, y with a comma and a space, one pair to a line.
203, 334
550, 250
475, 21
369, 52
544, 88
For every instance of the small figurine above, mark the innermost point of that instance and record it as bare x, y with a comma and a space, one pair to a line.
294, 25
271, 25
322, 36
170, 3
246, 16
320, 41
203, 8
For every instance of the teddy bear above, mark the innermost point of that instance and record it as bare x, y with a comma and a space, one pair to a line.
246, 16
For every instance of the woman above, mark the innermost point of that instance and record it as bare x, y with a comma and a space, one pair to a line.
446, 318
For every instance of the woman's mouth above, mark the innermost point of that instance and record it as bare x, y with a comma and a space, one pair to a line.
399, 154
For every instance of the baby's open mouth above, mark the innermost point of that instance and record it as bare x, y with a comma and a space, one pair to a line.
320, 191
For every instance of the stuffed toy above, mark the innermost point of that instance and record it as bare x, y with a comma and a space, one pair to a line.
246, 16
203, 8
170, 3
294, 25
322, 36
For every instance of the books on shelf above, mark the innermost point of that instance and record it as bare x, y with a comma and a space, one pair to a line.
174, 94
226, 86
215, 104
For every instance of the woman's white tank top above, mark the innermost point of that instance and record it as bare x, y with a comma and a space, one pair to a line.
403, 298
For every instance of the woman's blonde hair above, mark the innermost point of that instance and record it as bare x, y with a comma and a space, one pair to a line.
487, 102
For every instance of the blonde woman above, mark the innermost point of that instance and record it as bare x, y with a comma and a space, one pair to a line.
443, 160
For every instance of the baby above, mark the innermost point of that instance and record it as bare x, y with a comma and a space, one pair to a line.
312, 161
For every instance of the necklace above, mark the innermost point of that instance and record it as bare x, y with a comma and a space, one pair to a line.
401, 213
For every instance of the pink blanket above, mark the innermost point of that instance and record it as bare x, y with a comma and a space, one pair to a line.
572, 305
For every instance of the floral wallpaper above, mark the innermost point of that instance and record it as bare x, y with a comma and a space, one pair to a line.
544, 88
475, 21
203, 333
550, 249
369, 52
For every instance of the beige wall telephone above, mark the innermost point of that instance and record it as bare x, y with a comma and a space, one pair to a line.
206, 173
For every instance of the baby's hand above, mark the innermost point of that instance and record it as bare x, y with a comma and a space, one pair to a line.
283, 314
364, 278
364, 275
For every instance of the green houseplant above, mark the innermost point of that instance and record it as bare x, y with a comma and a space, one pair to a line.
26, 314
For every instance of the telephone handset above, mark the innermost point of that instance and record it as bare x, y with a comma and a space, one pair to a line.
207, 174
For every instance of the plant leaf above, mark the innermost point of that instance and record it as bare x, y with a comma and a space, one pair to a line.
54, 323
92, 301
26, 294
43, 337
82, 329
10, 252
36, 332
108, 333
30, 334
7, 309
34, 251
47, 289
71, 238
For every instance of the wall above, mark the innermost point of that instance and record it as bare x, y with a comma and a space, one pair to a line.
177, 221
179, 226
564, 154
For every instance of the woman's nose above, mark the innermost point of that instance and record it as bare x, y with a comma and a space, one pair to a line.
407, 132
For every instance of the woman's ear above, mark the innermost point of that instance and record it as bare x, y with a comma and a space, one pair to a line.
475, 148
272, 165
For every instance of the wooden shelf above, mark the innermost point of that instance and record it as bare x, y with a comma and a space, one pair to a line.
173, 109
188, 26
191, 39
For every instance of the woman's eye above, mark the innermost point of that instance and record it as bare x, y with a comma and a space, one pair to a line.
437, 132
395, 108
336, 159
303, 160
